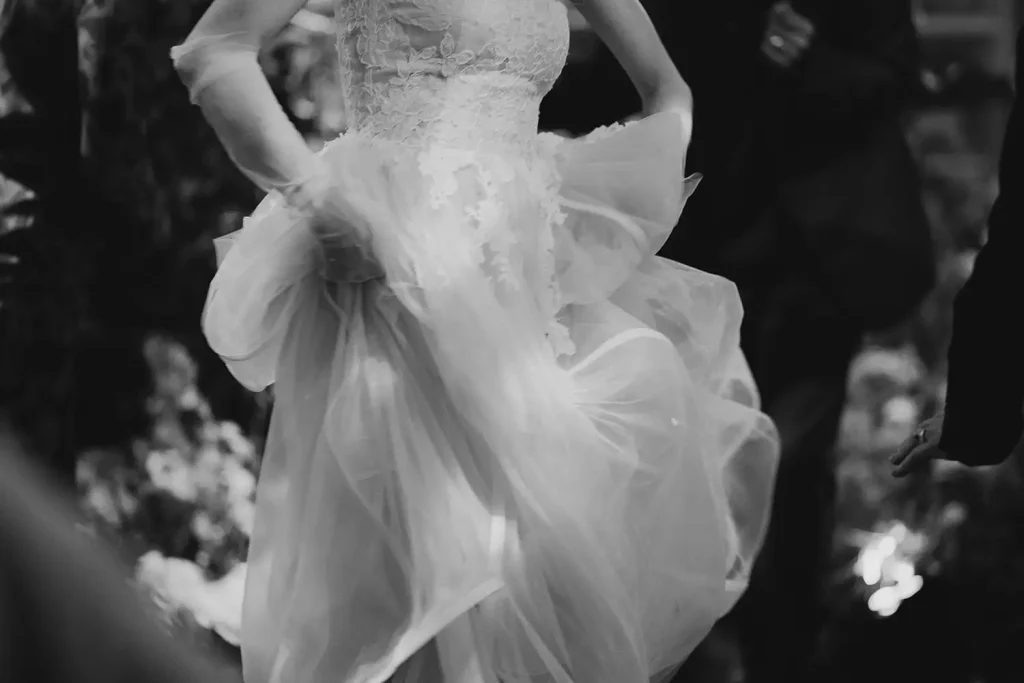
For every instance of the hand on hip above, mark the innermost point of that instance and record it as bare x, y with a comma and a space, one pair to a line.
787, 36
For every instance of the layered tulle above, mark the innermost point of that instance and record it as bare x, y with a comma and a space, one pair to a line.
493, 404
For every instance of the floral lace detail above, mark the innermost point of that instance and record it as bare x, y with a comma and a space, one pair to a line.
462, 81
466, 73
493, 241
550, 293
604, 132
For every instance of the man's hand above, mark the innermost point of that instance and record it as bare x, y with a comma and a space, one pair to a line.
787, 36
923, 447
920, 449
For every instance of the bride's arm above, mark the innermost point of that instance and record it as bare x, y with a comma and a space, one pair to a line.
218, 62
626, 29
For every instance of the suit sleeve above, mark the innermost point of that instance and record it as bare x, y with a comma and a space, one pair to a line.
985, 396
878, 73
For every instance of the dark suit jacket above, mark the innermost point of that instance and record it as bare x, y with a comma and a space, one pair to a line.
759, 130
752, 119
985, 394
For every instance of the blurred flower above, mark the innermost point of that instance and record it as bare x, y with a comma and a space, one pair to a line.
900, 415
189, 399
100, 501
886, 600
173, 369
243, 514
206, 530
208, 470
180, 585
887, 565
169, 472
233, 439
901, 410
241, 483
104, 480
857, 429
899, 367
953, 514
187, 490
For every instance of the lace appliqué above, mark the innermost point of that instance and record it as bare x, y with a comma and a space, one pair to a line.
549, 292
450, 171
604, 132
462, 81
465, 73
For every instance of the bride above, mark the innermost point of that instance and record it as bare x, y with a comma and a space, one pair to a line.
509, 443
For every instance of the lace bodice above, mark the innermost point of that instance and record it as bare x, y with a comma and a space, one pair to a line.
468, 73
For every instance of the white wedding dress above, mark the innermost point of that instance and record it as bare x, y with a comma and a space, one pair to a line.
500, 420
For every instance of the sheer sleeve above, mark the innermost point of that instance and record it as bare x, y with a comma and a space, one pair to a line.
219, 64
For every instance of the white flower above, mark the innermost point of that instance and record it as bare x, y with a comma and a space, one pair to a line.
169, 472
903, 367
235, 441
209, 468
901, 410
190, 399
240, 482
221, 607
887, 561
177, 581
899, 418
180, 584
953, 514
100, 500
856, 430
206, 529
243, 515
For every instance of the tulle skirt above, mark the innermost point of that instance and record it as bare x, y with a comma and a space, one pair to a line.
495, 409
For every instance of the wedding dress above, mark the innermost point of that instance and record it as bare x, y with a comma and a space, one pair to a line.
497, 413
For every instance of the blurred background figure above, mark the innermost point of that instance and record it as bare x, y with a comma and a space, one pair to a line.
67, 614
982, 423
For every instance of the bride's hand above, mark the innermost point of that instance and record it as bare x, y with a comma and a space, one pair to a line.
344, 255
341, 230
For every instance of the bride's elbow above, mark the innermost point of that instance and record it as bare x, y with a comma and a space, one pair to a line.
202, 60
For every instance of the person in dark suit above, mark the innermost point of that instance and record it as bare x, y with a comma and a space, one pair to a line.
811, 204
67, 613
982, 423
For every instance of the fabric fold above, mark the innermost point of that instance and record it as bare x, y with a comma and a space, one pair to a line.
493, 400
